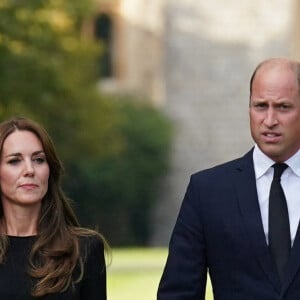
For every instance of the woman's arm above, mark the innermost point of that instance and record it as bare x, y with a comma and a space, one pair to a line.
93, 285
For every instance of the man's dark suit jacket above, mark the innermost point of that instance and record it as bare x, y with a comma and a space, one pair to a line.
219, 228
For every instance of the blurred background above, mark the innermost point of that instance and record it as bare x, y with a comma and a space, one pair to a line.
138, 95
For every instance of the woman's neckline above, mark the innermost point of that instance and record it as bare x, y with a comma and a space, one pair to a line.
21, 236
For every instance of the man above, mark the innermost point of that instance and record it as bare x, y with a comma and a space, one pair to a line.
225, 225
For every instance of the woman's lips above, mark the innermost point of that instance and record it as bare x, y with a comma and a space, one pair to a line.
28, 186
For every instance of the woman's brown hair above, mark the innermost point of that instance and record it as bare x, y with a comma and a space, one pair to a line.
56, 252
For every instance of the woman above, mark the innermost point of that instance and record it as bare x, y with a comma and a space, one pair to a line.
44, 253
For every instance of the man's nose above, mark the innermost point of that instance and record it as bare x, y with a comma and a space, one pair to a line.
270, 119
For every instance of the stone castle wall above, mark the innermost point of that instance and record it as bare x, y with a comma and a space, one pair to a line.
211, 48
194, 59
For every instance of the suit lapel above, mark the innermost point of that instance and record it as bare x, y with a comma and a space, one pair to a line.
249, 206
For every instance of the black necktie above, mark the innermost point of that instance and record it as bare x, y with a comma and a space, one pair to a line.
279, 225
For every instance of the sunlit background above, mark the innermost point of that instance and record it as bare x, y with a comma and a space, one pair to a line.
137, 95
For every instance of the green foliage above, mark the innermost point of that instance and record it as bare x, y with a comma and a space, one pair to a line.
114, 150
47, 71
122, 188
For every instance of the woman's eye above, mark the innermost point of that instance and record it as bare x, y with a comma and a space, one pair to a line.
39, 160
14, 161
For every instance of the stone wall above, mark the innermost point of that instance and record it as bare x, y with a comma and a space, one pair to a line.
137, 48
211, 48
194, 59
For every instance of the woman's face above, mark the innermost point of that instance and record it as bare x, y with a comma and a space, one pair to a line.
24, 170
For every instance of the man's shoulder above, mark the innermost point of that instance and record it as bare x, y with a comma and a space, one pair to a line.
227, 167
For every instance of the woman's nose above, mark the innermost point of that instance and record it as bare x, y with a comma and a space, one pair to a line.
29, 170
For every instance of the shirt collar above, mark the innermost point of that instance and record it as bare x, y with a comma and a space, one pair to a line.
294, 163
262, 162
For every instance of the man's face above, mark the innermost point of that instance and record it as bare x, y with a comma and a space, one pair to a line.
275, 112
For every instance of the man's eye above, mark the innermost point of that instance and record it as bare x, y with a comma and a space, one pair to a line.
284, 106
260, 105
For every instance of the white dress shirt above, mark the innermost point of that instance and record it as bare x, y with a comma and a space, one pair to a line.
290, 182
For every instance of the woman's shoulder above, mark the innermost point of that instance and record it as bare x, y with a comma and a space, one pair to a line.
92, 240
91, 243
94, 251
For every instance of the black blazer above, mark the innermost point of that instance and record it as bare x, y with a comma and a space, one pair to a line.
219, 229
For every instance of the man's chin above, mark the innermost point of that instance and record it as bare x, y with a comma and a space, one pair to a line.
273, 151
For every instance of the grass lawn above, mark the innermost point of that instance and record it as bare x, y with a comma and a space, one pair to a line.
134, 273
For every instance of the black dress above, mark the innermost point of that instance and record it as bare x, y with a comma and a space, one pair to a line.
15, 283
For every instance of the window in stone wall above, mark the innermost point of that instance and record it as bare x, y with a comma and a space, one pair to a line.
103, 33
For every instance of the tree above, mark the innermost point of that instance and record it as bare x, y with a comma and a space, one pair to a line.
113, 152
124, 188
48, 72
